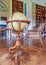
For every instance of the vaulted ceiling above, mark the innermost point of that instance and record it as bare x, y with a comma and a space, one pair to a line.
3, 6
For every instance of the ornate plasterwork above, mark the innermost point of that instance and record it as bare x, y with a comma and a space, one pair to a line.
5, 8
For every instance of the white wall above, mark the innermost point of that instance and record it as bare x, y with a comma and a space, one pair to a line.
40, 2
28, 11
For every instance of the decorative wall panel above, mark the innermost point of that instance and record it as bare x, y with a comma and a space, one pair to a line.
4, 8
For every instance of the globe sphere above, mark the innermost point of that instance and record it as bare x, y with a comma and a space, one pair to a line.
18, 16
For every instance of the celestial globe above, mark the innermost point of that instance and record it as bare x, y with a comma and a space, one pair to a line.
18, 16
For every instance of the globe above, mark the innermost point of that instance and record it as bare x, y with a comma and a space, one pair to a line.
18, 22
17, 16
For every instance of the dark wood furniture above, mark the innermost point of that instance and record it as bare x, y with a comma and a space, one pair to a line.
3, 25
36, 33
17, 6
40, 14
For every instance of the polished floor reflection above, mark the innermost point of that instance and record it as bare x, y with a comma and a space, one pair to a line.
37, 53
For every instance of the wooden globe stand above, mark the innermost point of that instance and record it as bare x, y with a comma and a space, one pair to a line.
18, 46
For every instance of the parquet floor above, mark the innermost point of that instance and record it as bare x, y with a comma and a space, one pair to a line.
37, 55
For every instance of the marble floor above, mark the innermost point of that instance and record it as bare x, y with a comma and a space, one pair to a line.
37, 54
